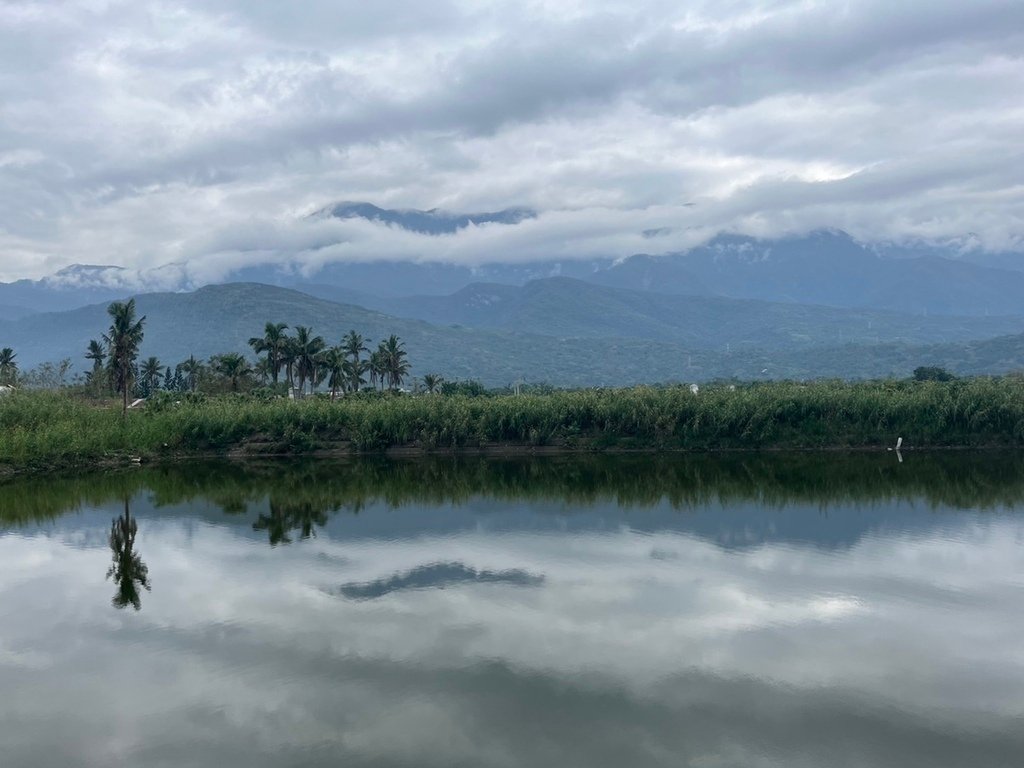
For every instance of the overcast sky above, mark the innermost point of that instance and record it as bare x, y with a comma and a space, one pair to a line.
204, 134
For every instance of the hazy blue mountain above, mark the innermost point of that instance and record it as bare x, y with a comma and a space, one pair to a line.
566, 307
432, 222
822, 268
71, 287
222, 318
397, 279
13, 312
218, 319
828, 268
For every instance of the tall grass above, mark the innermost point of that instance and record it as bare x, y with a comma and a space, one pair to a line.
52, 429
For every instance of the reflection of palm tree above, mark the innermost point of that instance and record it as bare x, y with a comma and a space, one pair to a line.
127, 569
285, 517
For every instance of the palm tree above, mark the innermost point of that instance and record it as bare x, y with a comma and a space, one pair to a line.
432, 382
289, 353
354, 345
396, 367
8, 368
262, 369
98, 355
233, 367
123, 342
191, 369
335, 367
307, 349
376, 368
150, 373
354, 370
273, 342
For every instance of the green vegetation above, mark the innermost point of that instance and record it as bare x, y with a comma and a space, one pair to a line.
8, 366
47, 429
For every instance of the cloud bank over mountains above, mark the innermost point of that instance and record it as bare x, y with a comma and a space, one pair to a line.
189, 140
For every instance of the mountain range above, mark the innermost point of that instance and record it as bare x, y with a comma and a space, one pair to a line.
821, 304
222, 318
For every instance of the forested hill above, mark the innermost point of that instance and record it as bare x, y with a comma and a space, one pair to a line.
568, 307
219, 319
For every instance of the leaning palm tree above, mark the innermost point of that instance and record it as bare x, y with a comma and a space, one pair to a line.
123, 340
233, 367
8, 367
307, 348
150, 374
273, 343
432, 382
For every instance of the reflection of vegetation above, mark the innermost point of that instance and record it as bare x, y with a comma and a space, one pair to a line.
286, 516
301, 495
127, 569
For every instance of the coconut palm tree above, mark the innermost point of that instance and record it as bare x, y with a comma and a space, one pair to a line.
262, 370
354, 345
354, 370
273, 343
307, 350
191, 369
289, 354
233, 367
8, 367
150, 374
396, 367
335, 368
123, 340
432, 382
98, 355
376, 368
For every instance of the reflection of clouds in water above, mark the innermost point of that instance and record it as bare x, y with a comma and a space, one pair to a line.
707, 649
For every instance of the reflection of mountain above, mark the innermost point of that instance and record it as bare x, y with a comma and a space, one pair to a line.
127, 569
438, 576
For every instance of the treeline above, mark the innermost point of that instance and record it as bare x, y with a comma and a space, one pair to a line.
299, 363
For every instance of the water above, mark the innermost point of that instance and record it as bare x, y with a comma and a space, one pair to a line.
716, 611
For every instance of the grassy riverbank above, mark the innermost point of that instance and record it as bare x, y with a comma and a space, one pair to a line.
50, 430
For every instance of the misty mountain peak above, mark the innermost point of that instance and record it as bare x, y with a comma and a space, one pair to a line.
430, 222
87, 276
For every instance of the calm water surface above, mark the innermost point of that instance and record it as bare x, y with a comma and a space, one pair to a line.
733, 611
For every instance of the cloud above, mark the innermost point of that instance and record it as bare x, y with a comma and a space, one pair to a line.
202, 134
634, 640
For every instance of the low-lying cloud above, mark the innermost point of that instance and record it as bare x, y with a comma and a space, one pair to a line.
187, 140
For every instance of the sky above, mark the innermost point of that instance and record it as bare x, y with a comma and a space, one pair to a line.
187, 140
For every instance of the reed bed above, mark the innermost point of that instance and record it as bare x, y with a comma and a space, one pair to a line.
53, 429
